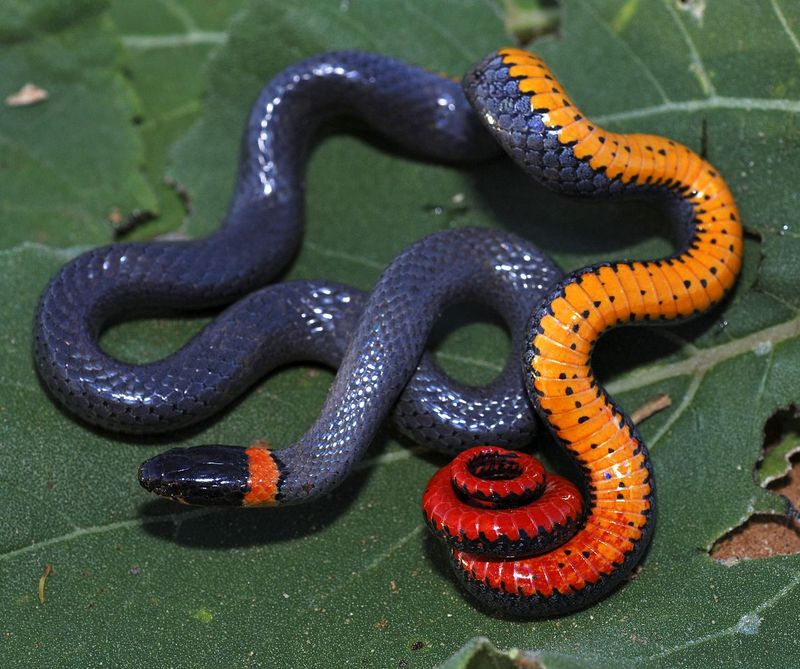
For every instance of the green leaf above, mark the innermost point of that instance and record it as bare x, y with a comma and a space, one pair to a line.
479, 653
66, 164
528, 19
354, 580
167, 44
777, 460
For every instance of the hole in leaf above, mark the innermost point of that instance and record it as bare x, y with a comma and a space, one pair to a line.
124, 225
778, 470
525, 21
781, 450
696, 8
759, 536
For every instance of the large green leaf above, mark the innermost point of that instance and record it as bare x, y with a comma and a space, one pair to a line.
174, 38
71, 163
354, 580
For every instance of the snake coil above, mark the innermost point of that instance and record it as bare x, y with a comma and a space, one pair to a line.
378, 342
528, 112
519, 101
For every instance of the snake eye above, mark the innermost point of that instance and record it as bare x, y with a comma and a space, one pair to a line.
209, 475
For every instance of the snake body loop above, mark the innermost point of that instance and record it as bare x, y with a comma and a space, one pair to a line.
382, 355
527, 110
500, 504
419, 111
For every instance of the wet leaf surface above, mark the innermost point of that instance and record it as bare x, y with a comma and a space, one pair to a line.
354, 580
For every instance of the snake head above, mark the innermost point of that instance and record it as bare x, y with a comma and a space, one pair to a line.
215, 475
205, 475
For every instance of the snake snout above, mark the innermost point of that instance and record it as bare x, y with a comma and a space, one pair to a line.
206, 475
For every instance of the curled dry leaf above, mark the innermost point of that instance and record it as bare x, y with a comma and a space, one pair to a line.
29, 94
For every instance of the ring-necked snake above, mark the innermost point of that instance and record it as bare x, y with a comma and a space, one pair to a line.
531, 116
527, 112
314, 321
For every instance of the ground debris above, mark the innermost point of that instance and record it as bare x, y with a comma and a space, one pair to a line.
29, 94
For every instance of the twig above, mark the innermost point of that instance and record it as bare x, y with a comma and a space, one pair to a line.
658, 403
48, 569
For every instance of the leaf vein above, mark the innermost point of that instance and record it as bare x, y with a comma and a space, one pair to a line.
688, 396
476, 362
733, 629
370, 566
188, 109
389, 458
789, 32
342, 255
65, 253
644, 67
707, 358
81, 532
180, 13
146, 42
457, 46
697, 67
716, 102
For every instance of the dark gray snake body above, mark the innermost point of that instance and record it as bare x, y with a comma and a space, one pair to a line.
525, 110
421, 112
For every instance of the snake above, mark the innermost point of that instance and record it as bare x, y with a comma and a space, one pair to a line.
377, 341
587, 541
381, 356
528, 112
